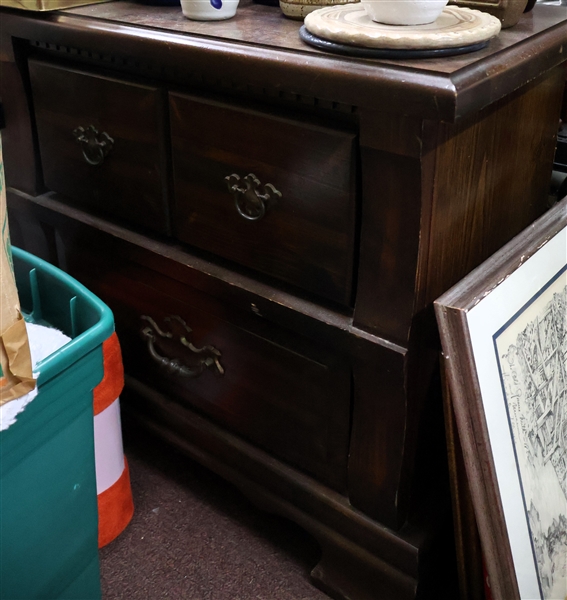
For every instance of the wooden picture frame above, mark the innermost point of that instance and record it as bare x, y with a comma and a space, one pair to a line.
504, 336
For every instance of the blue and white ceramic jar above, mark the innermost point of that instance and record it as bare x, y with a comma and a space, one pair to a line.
209, 10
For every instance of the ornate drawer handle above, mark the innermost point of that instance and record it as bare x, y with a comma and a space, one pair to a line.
250, 203
207, 357
95, 145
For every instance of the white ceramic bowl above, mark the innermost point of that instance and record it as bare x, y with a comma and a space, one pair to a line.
404, 12
207, 10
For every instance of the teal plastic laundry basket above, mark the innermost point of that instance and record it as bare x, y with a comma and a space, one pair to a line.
48, 497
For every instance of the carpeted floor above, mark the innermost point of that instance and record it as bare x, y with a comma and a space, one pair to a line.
196, 537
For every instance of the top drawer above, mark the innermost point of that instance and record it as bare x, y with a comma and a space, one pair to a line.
291, 210
101, 142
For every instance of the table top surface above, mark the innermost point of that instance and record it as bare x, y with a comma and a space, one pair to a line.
266, 26
262, 47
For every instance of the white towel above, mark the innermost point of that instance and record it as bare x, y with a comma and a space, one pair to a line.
43, 342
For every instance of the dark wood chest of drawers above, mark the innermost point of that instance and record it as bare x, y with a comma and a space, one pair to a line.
270, 225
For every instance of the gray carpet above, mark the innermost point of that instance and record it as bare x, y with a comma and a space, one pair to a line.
196, 537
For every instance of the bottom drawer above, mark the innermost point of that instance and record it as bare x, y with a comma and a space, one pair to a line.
282, 392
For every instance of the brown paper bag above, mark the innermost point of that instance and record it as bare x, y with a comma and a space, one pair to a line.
16, 378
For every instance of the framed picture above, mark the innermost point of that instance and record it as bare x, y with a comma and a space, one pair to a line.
504, 337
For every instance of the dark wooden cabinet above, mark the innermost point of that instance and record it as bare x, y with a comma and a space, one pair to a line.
270, 225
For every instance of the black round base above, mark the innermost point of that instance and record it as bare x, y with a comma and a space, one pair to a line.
365, 52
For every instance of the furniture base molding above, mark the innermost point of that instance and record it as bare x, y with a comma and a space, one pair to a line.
360, 559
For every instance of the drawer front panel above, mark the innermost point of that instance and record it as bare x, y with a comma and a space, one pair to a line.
285, 394
101, 143
295, 220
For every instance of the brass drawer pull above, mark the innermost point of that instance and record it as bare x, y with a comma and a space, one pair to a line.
207, 357
95, 145
250, 202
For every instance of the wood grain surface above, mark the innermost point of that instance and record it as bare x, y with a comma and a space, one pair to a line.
307, 238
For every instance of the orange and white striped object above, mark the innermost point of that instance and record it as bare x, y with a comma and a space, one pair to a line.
114, 493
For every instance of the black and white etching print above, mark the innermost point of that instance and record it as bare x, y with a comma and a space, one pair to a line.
532, 357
